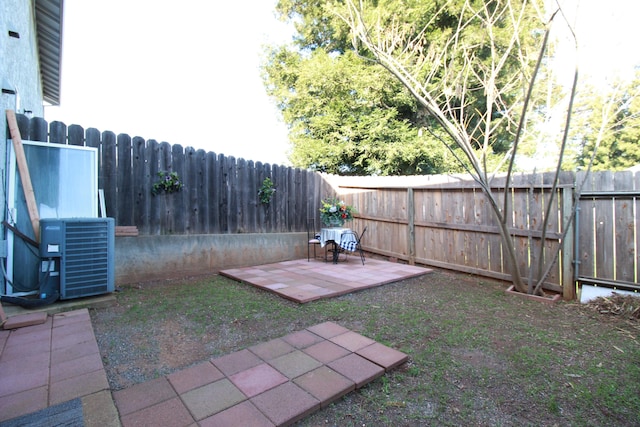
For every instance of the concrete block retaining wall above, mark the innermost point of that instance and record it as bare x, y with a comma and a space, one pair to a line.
150, 258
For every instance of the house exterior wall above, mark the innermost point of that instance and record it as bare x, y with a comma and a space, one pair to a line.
19, 68
19, 76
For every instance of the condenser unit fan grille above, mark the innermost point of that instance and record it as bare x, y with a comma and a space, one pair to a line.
86, 259
86, 251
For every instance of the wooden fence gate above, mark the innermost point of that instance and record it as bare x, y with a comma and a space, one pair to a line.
607, 237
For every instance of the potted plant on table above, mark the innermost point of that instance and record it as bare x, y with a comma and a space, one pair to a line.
334, 213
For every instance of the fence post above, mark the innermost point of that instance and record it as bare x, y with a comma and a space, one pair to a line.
568, 283
411, 229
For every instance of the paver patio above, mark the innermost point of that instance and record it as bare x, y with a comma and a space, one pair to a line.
303, 281
53, 371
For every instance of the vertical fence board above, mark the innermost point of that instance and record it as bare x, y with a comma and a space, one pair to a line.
636, 207
243, 195
92, 138
156, 201
58, 133
23, 126
179, 199
141, 185
232, 174
277, 212
76, 135
109, 173
202, 206
164, 202
482, 239
261, 209
191, 190
254, 202
124, 182
604, 228
624, 228
213, 190
223, 196
39, 130
585, 231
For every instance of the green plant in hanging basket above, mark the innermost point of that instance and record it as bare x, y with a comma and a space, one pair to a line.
266, 191
169, 182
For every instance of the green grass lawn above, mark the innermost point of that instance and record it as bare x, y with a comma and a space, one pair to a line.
477, 356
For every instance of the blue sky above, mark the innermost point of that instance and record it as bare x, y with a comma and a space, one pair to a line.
173, 71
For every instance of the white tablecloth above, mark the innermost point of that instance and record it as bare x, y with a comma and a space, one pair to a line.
334, 234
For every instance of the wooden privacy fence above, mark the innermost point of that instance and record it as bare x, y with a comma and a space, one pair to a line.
608, 234
436, 220
446, 221
220, 193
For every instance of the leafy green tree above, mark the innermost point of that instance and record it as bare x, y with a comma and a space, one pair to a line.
345, 113
346, 118
607, 131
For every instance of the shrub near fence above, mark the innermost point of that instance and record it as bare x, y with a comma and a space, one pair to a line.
219, 196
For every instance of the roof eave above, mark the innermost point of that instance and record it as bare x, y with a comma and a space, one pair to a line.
49, 36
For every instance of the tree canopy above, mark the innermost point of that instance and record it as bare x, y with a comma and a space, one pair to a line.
608, 127
347, 115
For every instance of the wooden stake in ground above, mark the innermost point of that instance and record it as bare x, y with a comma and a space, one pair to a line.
23, 169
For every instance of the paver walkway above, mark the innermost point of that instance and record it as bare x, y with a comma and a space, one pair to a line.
304, 281
273, 383
55, 362
52, 365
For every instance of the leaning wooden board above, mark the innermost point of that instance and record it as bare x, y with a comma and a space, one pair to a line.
23, 169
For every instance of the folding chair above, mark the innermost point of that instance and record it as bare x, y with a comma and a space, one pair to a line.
313, 238
351, 242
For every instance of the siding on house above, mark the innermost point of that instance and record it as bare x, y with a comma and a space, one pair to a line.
24, 80
19, 68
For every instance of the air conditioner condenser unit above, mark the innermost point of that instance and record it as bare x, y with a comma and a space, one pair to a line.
81, 252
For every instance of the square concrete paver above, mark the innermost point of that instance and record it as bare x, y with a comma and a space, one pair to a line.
212, 398
143, 395
194, 377
325, 384
236, 362
382, 355
295, 364
352, 341
272, 349
78, 386
328, 329
286, 404
357, 369
75, 367
242, 414
258, 379
326, 351
168, 413
17, 404
302, 339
